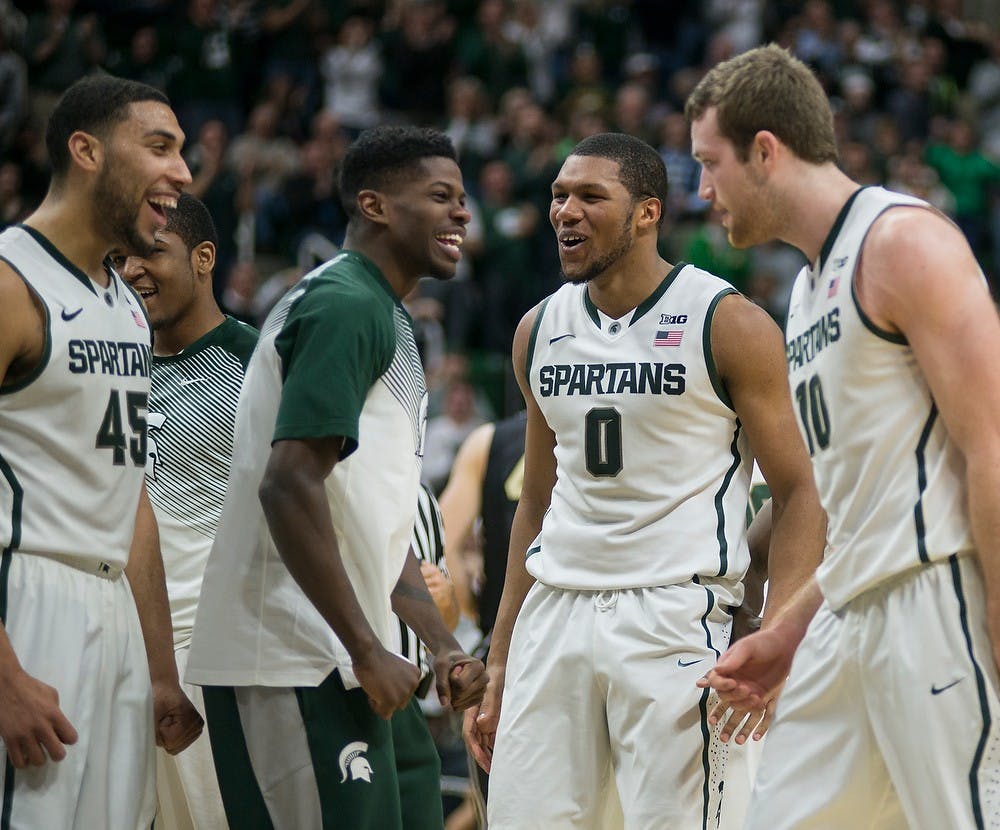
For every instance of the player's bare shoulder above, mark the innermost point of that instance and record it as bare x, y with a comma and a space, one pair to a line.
745, 339
22, 333
911, 255
522, 338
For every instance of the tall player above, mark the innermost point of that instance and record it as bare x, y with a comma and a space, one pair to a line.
294, 617
199, 358
76, 706
888, 717
646, 385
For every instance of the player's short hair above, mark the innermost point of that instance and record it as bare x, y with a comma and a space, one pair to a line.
95, 105
640, 168
767, 89
381, 157
192, 222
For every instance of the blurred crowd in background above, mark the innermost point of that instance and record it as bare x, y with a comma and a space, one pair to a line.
270, 94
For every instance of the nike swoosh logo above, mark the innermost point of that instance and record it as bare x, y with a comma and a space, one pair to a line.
560, 337
682, 664
188, 381
936, 690
69, 315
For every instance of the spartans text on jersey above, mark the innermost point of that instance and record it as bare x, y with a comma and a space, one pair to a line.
611, 379
804, 347
109, 357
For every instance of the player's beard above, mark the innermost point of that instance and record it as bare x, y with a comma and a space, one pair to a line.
115, 205
621, 246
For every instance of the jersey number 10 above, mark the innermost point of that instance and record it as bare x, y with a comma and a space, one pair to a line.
814, 415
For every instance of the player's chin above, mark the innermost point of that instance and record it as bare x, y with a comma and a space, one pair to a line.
441, 271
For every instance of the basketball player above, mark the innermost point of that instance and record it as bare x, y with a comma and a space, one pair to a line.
76, 705
485, 482
646, 385
199, 358
293, 627
888, 716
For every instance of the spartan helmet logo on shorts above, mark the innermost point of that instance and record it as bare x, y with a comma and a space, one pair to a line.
352, 760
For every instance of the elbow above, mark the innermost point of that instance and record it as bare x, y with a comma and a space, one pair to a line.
273, 492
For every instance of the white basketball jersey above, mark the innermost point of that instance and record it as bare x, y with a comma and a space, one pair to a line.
653, 468
890, 478
73, 433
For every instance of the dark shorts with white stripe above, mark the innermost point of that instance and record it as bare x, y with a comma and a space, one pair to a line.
319, 758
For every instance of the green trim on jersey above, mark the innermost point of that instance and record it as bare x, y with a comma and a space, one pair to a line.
58, 256
338, 339
720, 512
534, 336
658, 292
17, 500
891, 336
236, 337
984, 704
918, 508
838, 223
706, 342
588, 304
46, 348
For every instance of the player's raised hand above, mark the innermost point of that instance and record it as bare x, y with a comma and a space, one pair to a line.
388, 680
178, 723
479, 727
751, 671
461, 679
32, 726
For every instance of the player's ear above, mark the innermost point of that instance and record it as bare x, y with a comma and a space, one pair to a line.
648, 213
765, 147
372, 206
85, 150
203, 258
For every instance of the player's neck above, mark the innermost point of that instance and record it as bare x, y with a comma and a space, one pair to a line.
400, 277
627, 284
71, 230
175, 338
811, 207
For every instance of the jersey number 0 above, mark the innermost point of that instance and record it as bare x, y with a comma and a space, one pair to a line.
603, 441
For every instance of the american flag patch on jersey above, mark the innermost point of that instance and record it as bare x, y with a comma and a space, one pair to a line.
669, 337
140, 321
834, 285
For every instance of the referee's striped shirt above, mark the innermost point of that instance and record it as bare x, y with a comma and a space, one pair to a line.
428, 545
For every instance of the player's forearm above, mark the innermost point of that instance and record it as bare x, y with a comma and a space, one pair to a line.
798, 537
298, 517
983, 479
794, 616
149, 588
415, 606
9, 664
